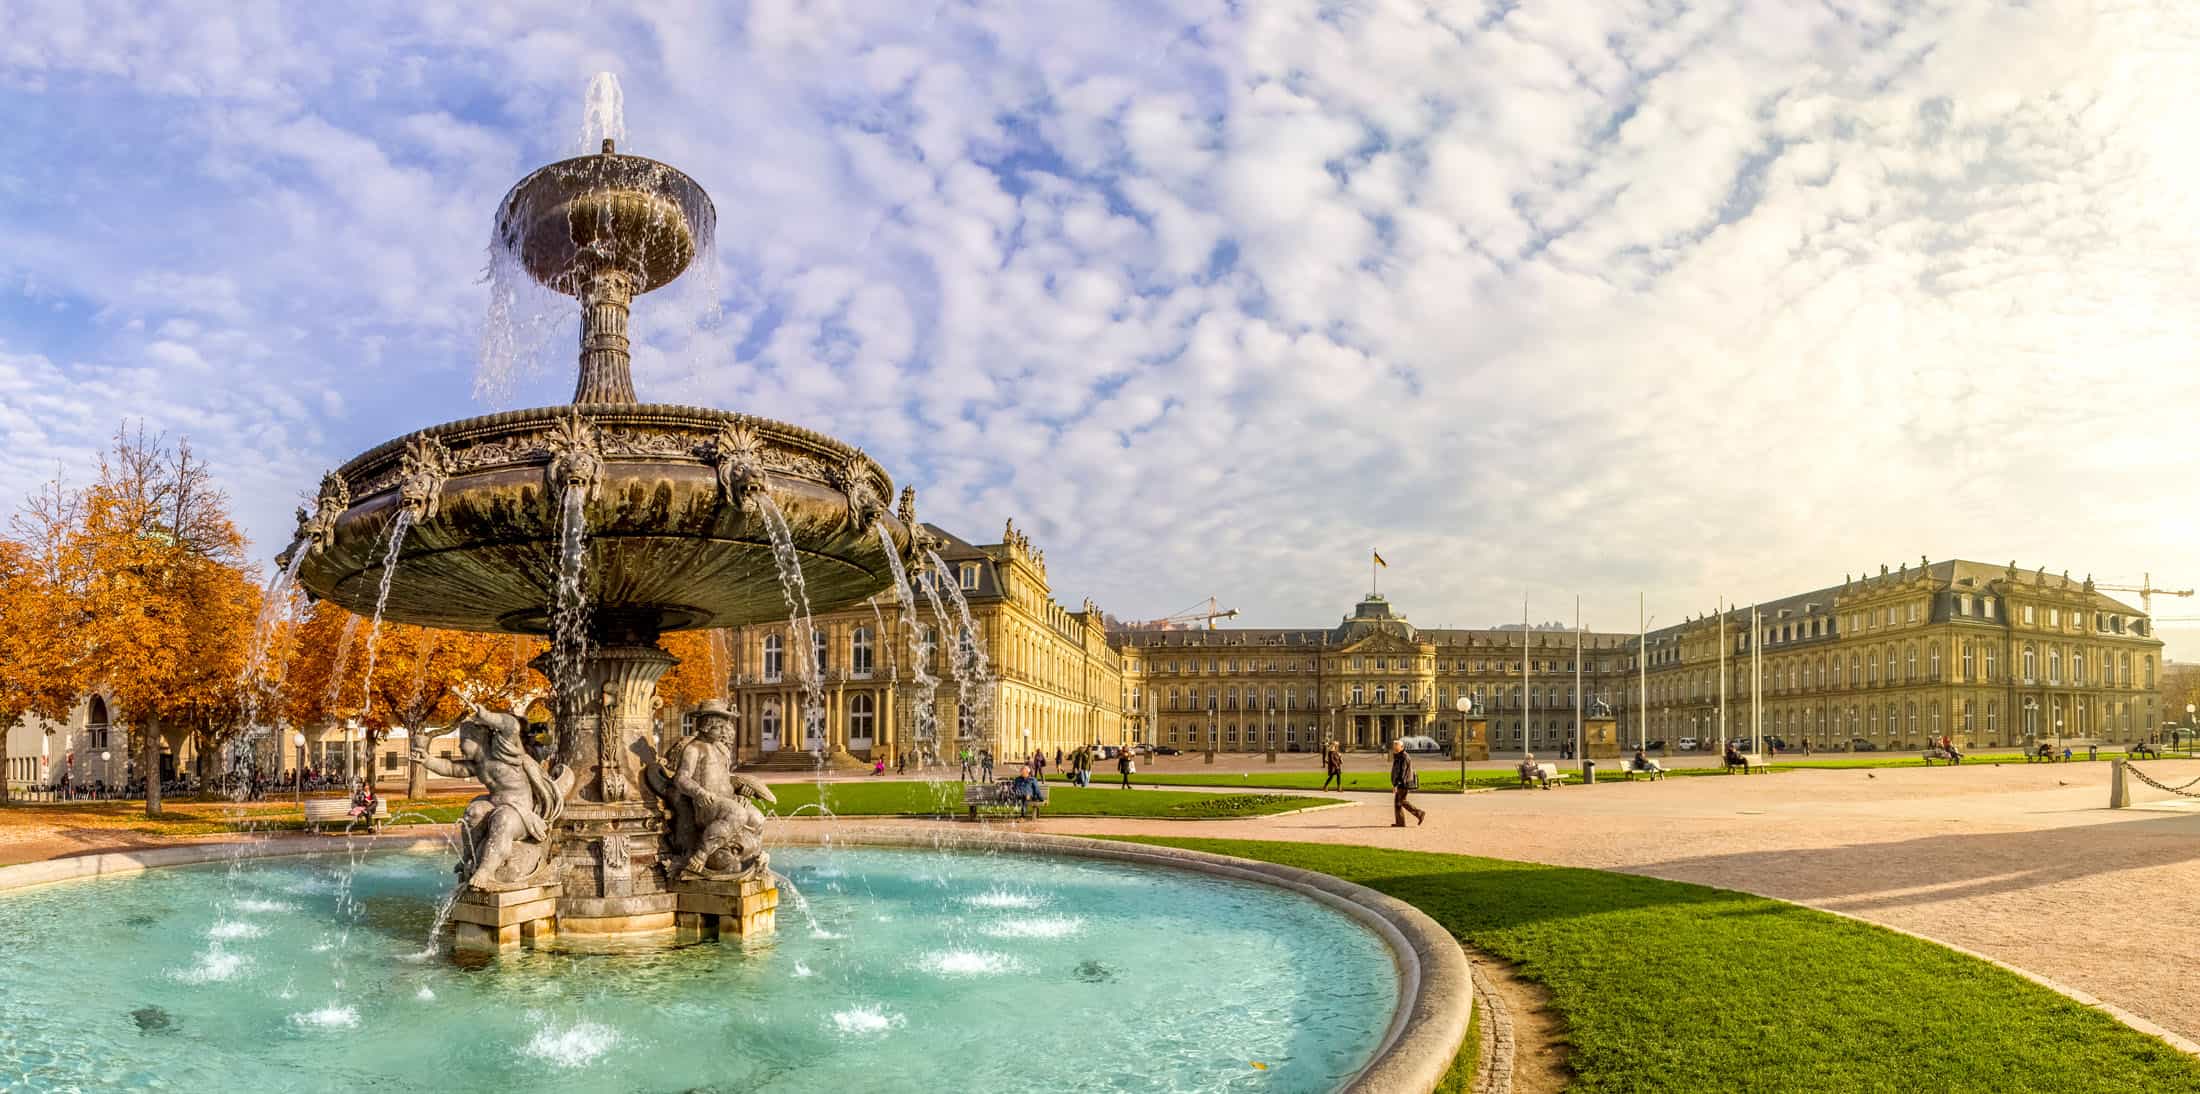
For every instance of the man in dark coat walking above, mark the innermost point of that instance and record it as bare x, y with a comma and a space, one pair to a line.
1401, 781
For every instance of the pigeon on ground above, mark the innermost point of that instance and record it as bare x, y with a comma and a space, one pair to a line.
1869, 775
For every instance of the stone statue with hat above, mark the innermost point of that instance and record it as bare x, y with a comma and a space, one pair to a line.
716, 830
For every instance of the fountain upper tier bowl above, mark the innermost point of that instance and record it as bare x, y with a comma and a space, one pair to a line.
577, 219
674, 500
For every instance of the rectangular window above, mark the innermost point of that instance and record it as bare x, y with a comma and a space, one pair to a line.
2028, 615
969, 575
1912, 609
2054, 617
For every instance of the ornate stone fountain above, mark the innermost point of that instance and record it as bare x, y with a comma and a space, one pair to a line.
673, 501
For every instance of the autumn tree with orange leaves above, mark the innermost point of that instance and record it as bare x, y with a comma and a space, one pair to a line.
157, 573
41, 652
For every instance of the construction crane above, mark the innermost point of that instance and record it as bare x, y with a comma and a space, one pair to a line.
2146, 590
1206, 611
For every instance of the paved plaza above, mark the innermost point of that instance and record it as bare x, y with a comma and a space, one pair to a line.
2020, 862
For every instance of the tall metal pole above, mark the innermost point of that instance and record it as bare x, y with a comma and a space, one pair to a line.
1722, 676
1524, 701
1756, 681
1581, 760
1642, 667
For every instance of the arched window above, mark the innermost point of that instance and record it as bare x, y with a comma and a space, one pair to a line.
862, 717
775, 659
2126, 679
1970, 661
2054, 664
1993, 719
1890, 660
819, 661
1894, 727
95, 722
2030, 667
1872, 718
1909, 664
2077, 666
1932, 718
1970, 716
1909, 719
771, 726
1993, 662
859, 653
1871, 666
1932, 663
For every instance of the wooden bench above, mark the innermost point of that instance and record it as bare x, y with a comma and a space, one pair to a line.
1547, 774
997, 796
320, 811
1751, 764
1627, 767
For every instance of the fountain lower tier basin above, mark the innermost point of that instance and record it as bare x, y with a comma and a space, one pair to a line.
916, 970
672, 499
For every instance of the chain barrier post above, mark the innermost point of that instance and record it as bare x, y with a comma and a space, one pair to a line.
2119, 795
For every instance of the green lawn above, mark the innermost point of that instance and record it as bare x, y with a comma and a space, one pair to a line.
1667, 986
874, 799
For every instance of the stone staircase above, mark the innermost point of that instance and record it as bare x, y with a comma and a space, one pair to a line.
797, 761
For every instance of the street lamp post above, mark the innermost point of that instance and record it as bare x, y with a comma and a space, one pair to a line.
1270, 729
1465, 706
1214, 729
2031, 728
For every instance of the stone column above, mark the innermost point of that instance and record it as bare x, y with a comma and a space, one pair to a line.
606, 373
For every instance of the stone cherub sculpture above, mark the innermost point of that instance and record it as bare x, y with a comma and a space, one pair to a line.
717, 833
507, 830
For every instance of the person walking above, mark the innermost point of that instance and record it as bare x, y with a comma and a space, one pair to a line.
1124, 765
1402, 780
985, 762
1332, 766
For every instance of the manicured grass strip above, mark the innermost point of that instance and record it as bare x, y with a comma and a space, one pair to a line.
190, 817
1668, 986
872, 799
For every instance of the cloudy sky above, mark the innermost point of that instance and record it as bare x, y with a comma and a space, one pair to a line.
1574, 296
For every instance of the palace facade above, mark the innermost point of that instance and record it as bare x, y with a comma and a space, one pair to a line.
1988, 655
1022, 672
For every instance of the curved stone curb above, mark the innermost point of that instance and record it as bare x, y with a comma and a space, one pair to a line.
110, 863
1435, 983
1493, 1070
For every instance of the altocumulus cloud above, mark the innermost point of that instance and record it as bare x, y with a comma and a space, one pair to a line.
1571, 296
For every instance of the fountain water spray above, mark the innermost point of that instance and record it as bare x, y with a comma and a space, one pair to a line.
977, 667
925, 716
603, 112
398, 528
800, 629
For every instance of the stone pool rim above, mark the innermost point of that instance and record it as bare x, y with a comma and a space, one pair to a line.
1435, 988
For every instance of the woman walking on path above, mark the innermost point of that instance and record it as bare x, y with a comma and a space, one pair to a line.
1125, 766
1402, 779
1332, 766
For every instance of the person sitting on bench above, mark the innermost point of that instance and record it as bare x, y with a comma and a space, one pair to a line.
1644, 764
1532, 772
1027, 791
1734, 758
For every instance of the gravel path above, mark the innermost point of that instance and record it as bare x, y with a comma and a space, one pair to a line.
2022, 863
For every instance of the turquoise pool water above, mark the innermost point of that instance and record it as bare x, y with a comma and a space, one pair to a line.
896, 970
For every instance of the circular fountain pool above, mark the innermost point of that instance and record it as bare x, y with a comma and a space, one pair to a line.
892, 970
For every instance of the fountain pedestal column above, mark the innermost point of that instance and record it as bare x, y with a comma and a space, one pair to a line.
491, 922
610, 838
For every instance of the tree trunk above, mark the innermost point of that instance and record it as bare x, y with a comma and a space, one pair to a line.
416, 778
4, 792
149, 762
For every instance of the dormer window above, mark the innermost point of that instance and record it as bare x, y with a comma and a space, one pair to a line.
969, 575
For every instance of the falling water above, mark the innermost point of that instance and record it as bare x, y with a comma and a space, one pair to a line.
603, 113
381, 598
958, 657
977, 668
569, 619
925, 715
799, 627
342, 662
277, 604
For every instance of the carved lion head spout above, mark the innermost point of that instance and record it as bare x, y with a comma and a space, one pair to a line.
576, 459
421, 472
317, 531
737, 454
852, 477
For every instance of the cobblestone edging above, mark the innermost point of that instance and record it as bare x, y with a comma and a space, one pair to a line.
1493, 1070
1435, 984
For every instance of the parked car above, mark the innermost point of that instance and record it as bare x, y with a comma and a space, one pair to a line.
1777, 742
1654, 746
1859, 744
1688, 744
1109, 752
1165, 750
1421, 744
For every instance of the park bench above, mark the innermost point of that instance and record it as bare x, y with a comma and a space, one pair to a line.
320, 811
1627, 767
1547, 774
996, 796
1752, 764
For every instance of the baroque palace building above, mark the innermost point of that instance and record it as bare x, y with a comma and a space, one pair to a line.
1050, 679
1988, 655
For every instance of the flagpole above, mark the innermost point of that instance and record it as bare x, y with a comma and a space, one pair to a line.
1524, 701
1722, 676
1581, 761
1756, 681
1642, 668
